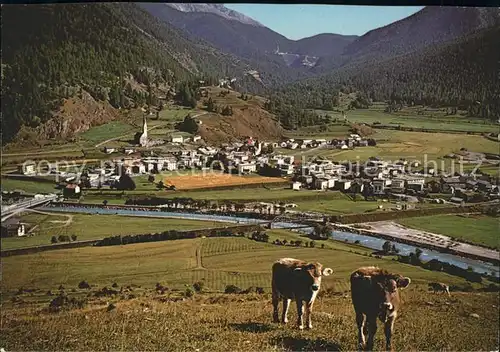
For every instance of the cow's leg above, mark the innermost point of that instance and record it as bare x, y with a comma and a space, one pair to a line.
360, 321
388, 328
300, 312
276, 301
286, 305
309, 307
372, 329
448, 292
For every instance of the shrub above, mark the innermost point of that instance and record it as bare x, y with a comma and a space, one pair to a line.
189, 292
53, 239
63, 302
198, 286
232, 289
73, 237
83, 285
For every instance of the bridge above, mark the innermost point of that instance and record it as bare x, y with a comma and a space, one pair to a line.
295, 221
11, 210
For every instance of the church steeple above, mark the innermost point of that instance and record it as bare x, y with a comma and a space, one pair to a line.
144, 127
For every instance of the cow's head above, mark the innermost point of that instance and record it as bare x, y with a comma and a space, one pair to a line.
386, 288
311, 273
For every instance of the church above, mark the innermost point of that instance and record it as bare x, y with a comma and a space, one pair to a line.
142, 139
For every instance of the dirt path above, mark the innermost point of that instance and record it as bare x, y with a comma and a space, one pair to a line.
396, 230
67, 222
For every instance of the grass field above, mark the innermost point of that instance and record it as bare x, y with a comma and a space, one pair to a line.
477, 229
110, 130
89, 227
410, 118
9, 184
217, 322
393, 145
330, 202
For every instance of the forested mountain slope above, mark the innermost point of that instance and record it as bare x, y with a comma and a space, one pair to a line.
463, 73
67, 48
430, 26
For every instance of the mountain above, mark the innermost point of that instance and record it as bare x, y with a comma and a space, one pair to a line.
218, 9
462, 73
429, 26
245, 39
325, 44
72, 49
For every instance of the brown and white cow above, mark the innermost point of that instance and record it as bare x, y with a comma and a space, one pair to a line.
375, 295
440, 287
298, 280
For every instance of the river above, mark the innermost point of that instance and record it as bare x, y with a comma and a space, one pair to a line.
366, 241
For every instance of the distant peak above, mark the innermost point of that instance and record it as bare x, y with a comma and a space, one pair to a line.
217, 9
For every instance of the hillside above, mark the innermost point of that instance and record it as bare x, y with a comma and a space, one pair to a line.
248, 118
141, 296
460, 74
430, 26
73, 48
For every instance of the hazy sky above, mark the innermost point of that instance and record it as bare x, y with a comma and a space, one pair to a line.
300, 21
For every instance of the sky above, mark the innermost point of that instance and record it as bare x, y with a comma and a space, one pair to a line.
300, 21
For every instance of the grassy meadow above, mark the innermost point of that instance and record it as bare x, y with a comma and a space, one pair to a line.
479, 229
90, 227
146, 320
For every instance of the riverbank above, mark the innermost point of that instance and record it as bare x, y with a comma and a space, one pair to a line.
392, 231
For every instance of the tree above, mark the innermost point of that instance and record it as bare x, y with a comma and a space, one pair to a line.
387, 247
74, 237
104, 202
312, 244
160, 185
151, 178
53, 239
125, 183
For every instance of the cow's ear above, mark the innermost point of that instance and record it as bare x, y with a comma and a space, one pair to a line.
327, 271
403, 282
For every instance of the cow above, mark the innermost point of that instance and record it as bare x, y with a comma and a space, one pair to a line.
375, 294
440, 287
298, 280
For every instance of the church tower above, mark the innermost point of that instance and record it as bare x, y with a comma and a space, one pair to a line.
144, 127
143, 139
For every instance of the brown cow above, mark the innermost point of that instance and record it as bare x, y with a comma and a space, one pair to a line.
375, 294
440, 287
299, 280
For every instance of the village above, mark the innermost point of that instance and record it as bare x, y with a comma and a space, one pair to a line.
403, 180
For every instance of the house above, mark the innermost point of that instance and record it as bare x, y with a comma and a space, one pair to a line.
170, 164
484, 186
398, 185
321, 183
196, 138
343, 185
28, 168
296, 185
415, 183
379, 186
71, 190
128, 151
13, 228
286, 169
109, 150
246, 168
177, 139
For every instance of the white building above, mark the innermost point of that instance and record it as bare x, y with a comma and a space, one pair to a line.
296, 186
177, 139
27, 169
246, 168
